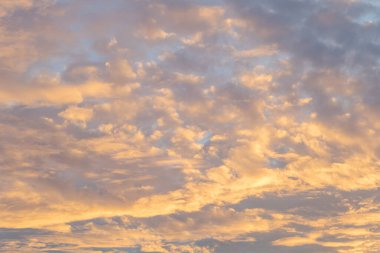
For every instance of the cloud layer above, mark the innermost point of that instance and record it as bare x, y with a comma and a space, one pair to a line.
189, 126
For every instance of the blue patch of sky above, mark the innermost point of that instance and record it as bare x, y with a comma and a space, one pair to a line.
368, 18
371, 16
87, 47
56, 65
52, 65
276, 163
205, 139
152, 53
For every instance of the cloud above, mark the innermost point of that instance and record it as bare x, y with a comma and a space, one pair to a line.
266, 50
52, 94
9, 6
189, 126
77, 115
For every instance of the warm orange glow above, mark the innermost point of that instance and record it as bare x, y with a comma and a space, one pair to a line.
189, 126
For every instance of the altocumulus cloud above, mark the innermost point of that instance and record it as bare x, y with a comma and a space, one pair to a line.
189, 126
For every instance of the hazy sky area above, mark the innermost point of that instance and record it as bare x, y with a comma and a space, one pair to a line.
179, 126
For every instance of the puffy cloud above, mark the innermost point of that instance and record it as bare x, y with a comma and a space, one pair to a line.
53, 94
77, 115
259, 81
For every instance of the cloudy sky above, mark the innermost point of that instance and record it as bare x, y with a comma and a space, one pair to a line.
190, 126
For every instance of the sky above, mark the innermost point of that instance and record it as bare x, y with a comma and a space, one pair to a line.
179, 126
